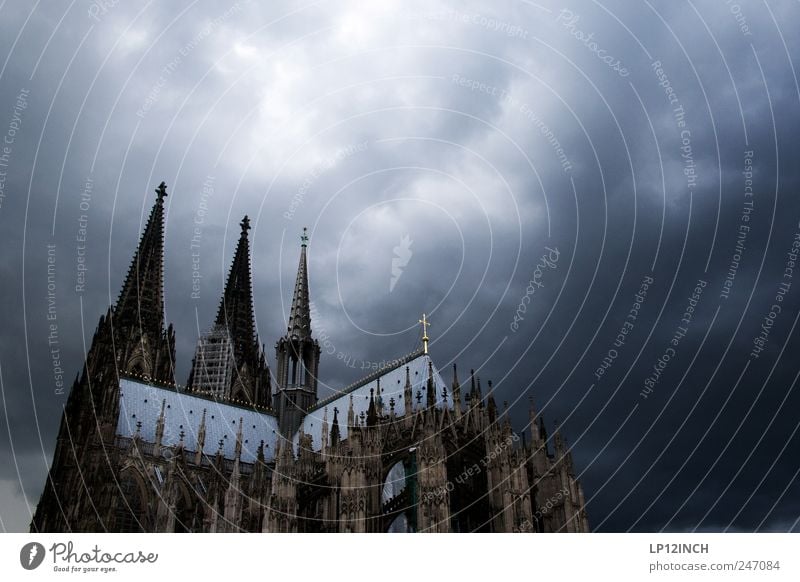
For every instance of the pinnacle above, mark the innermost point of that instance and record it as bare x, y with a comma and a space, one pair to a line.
300, 314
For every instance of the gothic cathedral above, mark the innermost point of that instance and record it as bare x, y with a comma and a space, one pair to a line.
243, 449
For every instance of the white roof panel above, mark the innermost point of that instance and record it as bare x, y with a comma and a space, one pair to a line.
392, 386
141, 402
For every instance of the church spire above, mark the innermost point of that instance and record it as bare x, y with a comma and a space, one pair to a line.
141, 301
298, 355
229, 362
335, 433
372, 413
300, 314
236, 306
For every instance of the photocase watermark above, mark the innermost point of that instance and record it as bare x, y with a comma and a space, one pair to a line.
478, 86
51, 314
548, 261
768, 321
569, 20
402, 255
67, 559
472, 470
154, 94
80, 236
679, 114
10, 137
627, 327
748, 205
488, 22
741, 21
311, 177
31, 555
544, 509
328, 347
99, 8
680, 332
197, 234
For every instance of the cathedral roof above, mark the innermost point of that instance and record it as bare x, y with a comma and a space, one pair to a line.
392, 384
140, 402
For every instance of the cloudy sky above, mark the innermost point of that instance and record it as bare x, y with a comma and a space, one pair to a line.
595, 203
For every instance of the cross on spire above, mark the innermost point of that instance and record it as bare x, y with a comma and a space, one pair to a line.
162, 190
245, 224
425, 325
304, 237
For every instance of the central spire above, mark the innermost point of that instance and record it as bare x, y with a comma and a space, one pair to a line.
297, 354
300, 314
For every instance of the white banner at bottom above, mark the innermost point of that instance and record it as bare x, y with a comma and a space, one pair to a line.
388, 557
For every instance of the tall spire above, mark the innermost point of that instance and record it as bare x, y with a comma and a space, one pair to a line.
228, 360
141, 301
300, 314
236, 306
298, 355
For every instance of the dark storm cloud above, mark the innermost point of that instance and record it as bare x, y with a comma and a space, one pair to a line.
482, 137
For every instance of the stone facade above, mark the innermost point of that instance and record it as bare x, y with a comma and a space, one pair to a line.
240, 449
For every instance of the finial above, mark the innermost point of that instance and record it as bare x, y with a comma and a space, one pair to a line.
304, 237
162, 190
425, 324
245, 224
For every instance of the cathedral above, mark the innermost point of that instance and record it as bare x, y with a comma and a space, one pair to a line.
246, 448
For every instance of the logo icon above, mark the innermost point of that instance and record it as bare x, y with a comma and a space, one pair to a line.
31, 555
402, 254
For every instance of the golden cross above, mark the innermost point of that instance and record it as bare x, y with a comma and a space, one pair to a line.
425, 324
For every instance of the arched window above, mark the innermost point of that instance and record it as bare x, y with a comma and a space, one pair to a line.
395, 482
131, 512
396, 500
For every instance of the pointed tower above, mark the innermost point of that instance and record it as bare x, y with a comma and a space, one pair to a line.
129, 340
335, 432
228, 361
138, 318
297, 354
